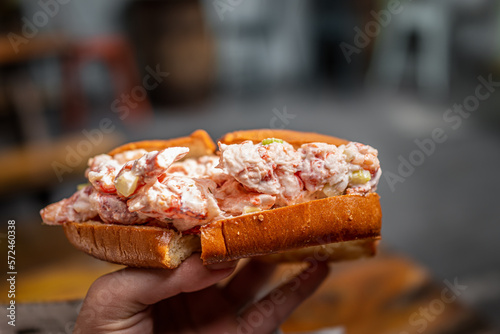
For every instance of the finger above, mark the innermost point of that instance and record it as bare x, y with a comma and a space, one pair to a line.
247, 283
267, 314
131, 290
222, 265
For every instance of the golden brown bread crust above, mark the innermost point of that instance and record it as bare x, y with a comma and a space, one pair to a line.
199, 143
295, 138
136, 246
333, 219
283, 230
343, 250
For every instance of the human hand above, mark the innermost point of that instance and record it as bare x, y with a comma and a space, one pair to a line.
188, 300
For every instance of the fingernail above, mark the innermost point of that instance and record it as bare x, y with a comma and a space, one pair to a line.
222, 265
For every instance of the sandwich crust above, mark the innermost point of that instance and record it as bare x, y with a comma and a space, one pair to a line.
132, 245
324, 221
294, 138
199, 143
352, 222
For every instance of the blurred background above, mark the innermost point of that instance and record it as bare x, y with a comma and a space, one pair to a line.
418, 80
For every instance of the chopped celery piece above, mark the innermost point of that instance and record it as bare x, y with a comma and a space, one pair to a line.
268, 141
126, 184
251, 209
360, 177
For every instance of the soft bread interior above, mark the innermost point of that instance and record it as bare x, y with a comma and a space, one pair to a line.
180, 248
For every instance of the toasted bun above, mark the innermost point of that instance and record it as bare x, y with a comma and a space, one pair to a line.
290, 233
135, 246
295, 138
199, 143
324, 221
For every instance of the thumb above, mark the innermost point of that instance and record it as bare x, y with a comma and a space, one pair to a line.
124, 293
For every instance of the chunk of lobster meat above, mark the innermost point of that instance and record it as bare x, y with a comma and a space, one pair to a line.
184, 201
113, 210
322, 165
268, 169
136, 173
362, 155
199, 167
102, 172
235, 200
127, 156
77, 208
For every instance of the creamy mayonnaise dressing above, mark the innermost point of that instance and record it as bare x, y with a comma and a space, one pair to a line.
138, 187
315, 170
